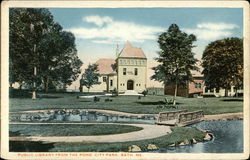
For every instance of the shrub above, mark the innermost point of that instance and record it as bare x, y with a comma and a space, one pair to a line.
145, 92
108, 100
96, 99
114, 92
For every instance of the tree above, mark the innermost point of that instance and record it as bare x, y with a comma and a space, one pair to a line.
90, 76
38, 42
223, 63
175, 57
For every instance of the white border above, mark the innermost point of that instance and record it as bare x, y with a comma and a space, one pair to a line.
122, 4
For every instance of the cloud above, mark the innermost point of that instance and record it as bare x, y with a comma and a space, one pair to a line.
206, 34
211, 31
217, 26
115, 31
99, 21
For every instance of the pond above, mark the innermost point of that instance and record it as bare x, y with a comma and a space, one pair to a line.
228, 138
78, 115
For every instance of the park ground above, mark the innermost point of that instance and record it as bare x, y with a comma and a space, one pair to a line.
129, 104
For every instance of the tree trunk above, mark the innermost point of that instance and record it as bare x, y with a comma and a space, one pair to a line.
64, 87
20, 86
46, 84
80, 88
88, 90
236, 92
175, 94
226, 92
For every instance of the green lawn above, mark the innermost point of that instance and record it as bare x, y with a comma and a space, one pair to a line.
130, 104
178, 135
69, 129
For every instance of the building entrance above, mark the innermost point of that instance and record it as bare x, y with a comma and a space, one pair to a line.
130, 85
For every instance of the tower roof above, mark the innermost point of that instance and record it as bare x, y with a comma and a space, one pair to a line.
130, 51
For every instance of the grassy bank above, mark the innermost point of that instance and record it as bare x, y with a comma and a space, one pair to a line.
69, 129
129, 104
178, 135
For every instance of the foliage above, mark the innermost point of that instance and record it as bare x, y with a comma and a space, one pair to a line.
36, 40
145, 92
223, 63
90, 76
96, 99
175, 57
114, 92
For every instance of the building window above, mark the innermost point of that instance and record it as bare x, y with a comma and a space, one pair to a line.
104, 79
197, 85
136, 71
124, 71
111, 82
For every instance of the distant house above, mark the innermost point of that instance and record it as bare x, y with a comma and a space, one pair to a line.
198, 88
191, 88
127, 72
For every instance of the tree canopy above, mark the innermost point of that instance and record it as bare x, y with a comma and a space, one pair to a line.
176, 59
36, 40
223, 63
90, 76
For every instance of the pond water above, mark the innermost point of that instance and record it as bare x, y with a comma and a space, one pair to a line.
78, 116
228, 138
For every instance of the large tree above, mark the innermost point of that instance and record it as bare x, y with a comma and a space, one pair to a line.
223, 63
90, 76
38, 43
176, 58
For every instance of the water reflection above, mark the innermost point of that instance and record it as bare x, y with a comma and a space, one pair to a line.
228, 138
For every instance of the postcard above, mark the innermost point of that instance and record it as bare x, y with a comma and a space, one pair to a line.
125, 80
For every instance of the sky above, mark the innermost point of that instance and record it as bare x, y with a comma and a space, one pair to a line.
98, 31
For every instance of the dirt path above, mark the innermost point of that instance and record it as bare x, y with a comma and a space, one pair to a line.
148, 132
225, 116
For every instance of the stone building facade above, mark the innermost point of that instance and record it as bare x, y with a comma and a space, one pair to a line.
127, 72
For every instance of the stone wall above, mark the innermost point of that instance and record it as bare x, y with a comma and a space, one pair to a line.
190, 117
167, 116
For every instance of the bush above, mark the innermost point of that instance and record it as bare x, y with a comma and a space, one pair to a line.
114, 92
18, 93
108, 100
169, 101
145, 92
96, 99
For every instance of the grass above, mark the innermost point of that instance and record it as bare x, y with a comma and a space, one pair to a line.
178, 135
131, 104
69, 129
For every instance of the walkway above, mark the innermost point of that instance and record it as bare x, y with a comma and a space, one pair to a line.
148, 132
224, 116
